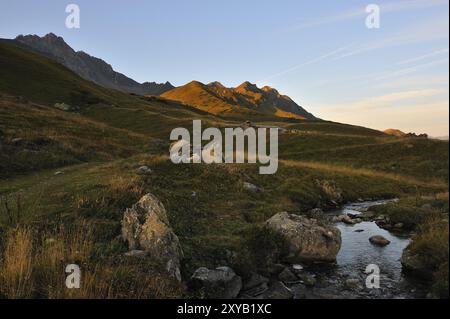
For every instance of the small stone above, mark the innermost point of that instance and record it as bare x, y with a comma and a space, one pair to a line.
144, 170
276, 269
254, 281
399, 225
352, 284
346, 220
278, 291
359, 230
59, 173
307, 279
251, 187
379, 241
287, 276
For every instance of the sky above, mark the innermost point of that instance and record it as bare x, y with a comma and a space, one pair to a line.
320, 53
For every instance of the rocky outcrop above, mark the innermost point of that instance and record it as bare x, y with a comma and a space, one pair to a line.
145, 227
308, 240
219, 283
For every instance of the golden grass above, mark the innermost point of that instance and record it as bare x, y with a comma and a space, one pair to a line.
33, 266
16, 270
351, 171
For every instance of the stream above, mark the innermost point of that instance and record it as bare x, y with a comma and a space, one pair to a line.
347, 278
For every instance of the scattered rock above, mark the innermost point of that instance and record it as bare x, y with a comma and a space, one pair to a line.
220, 283
368, 215
307, 279
65, 107
16, 140
144, 170
308, 240
278, 290
255, 286
346, 219
254, 281
297, 268
145, 227
59, 173
379, 240
287, 276
276, 269
399, 225
331, 190
353, 284
251, 187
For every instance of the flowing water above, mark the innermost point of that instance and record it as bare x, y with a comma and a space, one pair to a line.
347, 279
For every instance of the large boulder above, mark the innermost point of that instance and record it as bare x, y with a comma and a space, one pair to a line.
415, 264
308, 239
145, 227
219, 283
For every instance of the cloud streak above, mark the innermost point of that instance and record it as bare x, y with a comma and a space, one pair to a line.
424, 56
386, 100
413, 69
303, 64
390, 7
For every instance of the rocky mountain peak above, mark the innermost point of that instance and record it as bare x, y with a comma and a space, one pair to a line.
247, 86
87, 66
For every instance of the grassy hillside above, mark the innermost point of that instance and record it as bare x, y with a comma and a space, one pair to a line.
99, 147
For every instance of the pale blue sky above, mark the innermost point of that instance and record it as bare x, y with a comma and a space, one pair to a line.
320, 53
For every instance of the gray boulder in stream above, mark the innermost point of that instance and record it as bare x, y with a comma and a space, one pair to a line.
308, 239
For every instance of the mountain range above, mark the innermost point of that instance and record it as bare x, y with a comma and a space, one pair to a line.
215, 98
87, 66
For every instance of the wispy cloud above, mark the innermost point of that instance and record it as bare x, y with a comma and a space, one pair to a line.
388, 7
430, 30
412, 69
424, 56
320, 58
414, 81
386, 100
